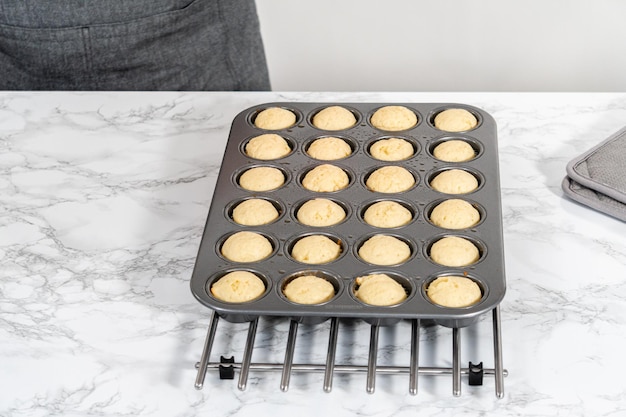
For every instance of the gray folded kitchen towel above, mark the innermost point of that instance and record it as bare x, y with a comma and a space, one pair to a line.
597, 178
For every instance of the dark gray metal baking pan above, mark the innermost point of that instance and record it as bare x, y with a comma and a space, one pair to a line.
415, 274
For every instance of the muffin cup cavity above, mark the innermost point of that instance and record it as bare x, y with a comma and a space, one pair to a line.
252, 117
237, 317
484, 289
270, 238
291, 242
404, 127
410, 207
328, 276
357, 116
324, 180
480, 179
452, 320
428, 210
237, 175
433, 114
388, 185
412, 246
291, 142
479, 244
347, 209
405, 282
475, 144
377, 139
230, 207
351, 142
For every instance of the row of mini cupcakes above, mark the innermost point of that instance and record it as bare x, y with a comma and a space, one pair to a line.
386, 179
272, 146
390, 118
317, 287
379, 249
380, 213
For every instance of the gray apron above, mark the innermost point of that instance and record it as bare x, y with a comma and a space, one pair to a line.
131, 45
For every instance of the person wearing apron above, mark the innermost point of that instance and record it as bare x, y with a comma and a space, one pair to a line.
173, 45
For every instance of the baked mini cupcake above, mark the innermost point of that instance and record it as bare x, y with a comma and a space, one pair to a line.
329, 149
454, 214
254, 212
246, 246
393, 118
455, 120
387, 214
390, 179
325, 178
384, 250
454, 251
238, 287
309, 289
275, 118
392, 149
454, 150
454, 181
334, 118
379, 290
267, 147
454, 291
261, 179
320, 212
315, 249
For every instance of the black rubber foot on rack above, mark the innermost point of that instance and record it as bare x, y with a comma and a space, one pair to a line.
227, 371
475, 374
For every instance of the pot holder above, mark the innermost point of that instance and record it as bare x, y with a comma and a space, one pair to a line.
597, 178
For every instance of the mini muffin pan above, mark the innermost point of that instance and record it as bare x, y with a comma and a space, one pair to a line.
415, 274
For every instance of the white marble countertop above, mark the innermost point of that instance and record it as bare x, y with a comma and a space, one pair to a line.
103, 202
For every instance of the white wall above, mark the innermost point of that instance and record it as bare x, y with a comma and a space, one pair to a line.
445, 45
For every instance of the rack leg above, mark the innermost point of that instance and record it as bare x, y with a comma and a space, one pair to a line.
371, 365
330, 356
247, 355
206, 351
456, 362
414, 360
291, 347
497, 351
